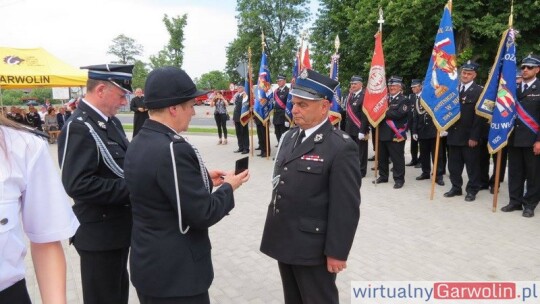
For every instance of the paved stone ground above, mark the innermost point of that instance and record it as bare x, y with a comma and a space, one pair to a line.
402, 235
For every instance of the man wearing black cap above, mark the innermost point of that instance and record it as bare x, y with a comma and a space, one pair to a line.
524, 162
91, 150
172, 199
414, 99
310, 232
357, 125
393, 134
466, 136
425, 132
242, 132
280, 104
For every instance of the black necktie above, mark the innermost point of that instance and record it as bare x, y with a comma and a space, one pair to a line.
299, 139
462, 89
525, 87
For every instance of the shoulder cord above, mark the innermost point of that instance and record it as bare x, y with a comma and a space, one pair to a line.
204, 175
274, 177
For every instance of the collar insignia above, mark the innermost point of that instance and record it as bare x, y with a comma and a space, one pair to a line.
177, 137
318, 137
346, 136
79, 118
102, 125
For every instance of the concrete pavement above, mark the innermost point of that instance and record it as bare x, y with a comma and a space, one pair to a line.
402, 236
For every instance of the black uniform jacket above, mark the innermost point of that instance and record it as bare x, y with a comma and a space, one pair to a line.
469, 125
355, 102
139, 117
317, 199
423, 125
398, 112
530, 101
163, 261
101, 197
279, 112
238, 99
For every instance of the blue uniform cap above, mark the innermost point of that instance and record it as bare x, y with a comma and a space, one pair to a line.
416, 82
395, 80
356, 78
470, 66
531, 60
281, 77
314, 86
118, 74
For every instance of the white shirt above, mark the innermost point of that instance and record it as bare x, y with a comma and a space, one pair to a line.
32, 199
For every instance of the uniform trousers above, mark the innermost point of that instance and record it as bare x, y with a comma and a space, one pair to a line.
484, 164
362, 154
16, 293
396, 152
308, 284
280, 129
414, 151
427, 152
242, 134
523, 166
262, 133
464, 156
203, 298
104, 276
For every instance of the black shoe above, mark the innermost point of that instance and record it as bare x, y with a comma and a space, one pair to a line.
440, 181
245, 152
528, 213
470, 197
453, 192
423, 177
258, 148
261, 155
412, 163
276, 146
398, 185
419, 165
380, 180
372, 168
237, 151
511, 207
484, 187
371, 158
492, 189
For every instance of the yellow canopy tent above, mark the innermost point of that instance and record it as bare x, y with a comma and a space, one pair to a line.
31, 68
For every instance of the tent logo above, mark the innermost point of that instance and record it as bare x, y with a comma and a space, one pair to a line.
13, 60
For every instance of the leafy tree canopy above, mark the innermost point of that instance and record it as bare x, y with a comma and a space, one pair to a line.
125, 48
213, 80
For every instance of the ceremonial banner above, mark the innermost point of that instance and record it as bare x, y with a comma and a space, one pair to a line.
498, 100
263, 92
245, 114
376, 98
288, 110
335, 107
306, 63
440, 95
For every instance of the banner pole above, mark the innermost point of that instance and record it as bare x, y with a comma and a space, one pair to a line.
376, 152
267, 135
435, 164
496, 182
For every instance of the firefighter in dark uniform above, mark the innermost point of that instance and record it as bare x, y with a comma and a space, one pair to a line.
524, 143
465, 136
172, 199
310, 232
393, 134
281, 125
357, 125
415, 161
91, 150
425, 132
242, 132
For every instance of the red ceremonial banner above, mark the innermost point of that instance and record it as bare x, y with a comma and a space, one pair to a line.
376, 98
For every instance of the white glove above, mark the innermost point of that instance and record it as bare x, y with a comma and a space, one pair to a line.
287, 124
361, 136
415, 137
443, 133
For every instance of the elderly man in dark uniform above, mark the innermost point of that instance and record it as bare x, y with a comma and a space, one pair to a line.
172, 199
524, 143
465, 135
425, 132
393, 134
310, 232
242, 132
91, 150
357, 125
281, 125
139, 109
414, 99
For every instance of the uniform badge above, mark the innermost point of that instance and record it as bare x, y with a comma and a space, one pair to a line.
354, 103
346, 136
318, 137
304, 74
79, 118
404, 108
102, 125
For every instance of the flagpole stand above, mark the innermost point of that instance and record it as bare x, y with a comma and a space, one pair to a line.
496, 182
435, 164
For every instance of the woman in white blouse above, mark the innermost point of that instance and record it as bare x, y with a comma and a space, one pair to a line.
33, 200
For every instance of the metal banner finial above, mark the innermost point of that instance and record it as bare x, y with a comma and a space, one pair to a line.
336, 43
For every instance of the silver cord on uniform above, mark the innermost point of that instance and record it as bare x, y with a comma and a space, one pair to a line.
107, 157
176, 188
275, 178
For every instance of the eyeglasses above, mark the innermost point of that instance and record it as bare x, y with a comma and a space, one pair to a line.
523, 67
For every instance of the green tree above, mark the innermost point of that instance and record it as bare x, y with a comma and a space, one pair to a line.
41, 93
173, 52
280, 21
409, 32
125, 48
213, 80
139, 74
